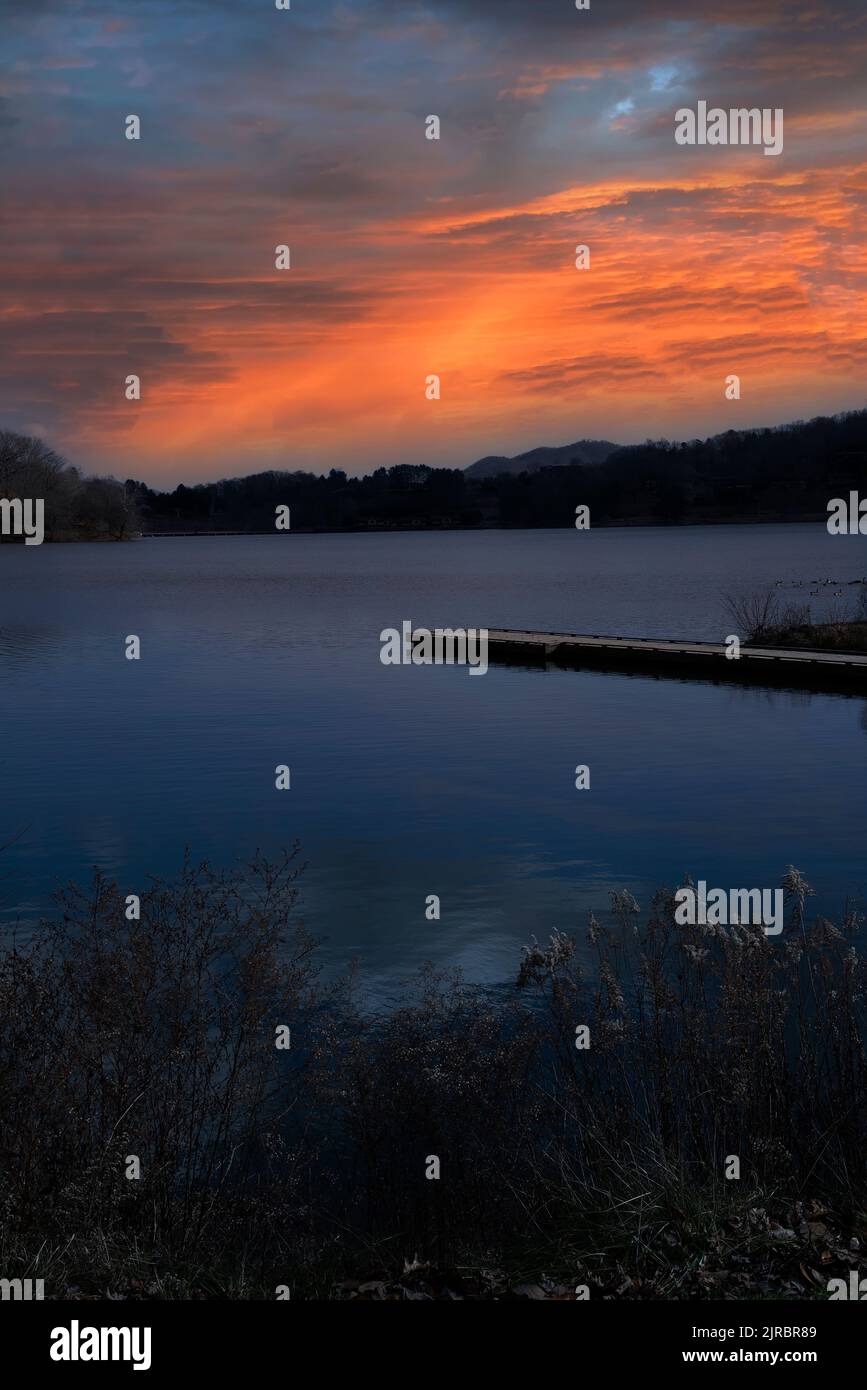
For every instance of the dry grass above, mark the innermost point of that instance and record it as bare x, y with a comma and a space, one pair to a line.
306, 1167
762, 618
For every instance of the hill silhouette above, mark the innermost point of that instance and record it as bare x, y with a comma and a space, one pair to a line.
584, 451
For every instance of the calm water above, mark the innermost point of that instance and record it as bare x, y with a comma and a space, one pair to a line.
411, 781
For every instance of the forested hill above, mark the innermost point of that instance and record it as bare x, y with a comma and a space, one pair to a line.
584, 451
783, 474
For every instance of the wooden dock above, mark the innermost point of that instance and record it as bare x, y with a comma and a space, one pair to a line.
794, 668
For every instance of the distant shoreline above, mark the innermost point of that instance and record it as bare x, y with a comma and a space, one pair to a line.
648, 523
619, 525
764, 477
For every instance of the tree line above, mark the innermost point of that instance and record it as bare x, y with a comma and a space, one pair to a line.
784, 474
76, 507
788, 473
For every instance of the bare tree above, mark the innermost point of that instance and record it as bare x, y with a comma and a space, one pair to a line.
754, 614
92, 506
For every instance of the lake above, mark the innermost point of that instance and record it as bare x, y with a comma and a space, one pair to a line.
411, 781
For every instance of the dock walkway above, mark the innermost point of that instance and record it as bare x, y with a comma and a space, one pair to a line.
789, 666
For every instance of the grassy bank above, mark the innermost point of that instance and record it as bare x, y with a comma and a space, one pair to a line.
765, 619
154, 1039
836, 636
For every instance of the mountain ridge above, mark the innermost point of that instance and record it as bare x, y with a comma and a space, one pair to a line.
586, 451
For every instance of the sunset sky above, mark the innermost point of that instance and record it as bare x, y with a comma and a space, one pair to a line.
412, 257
